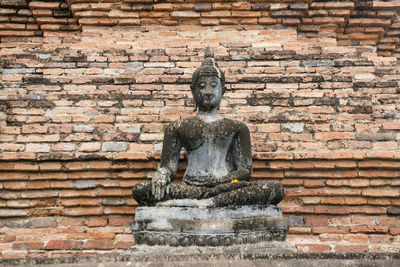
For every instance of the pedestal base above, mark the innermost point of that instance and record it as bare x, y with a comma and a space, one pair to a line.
235, 251
182, 226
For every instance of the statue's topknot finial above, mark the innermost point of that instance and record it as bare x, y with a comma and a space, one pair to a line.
209, 67
208, 52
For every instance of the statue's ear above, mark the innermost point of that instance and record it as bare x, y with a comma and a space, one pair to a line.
194, 98
223, 87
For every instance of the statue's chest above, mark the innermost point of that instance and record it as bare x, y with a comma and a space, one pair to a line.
210, 139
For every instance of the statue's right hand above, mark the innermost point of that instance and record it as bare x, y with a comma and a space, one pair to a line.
160, 183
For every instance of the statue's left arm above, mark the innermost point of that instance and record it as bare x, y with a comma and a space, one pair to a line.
241, 155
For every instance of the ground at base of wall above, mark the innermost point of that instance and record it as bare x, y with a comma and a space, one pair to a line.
220, 260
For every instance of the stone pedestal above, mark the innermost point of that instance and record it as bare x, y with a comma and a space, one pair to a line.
187, 226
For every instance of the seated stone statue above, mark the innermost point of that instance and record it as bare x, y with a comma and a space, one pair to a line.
218, 153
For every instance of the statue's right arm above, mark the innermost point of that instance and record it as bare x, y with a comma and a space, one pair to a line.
171, 149
169, 161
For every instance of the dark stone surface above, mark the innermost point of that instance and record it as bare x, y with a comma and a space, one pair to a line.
218, 151
184, 226
179, 239
222, 195
218, 173
151, 213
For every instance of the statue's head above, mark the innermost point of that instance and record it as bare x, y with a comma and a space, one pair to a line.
208, 83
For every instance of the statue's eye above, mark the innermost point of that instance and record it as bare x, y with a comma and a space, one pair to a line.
214, 84
202, 84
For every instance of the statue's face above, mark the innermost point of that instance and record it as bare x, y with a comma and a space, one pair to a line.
208, 92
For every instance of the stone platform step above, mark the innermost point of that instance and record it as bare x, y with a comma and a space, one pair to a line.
247, 257
184, 226
189, 213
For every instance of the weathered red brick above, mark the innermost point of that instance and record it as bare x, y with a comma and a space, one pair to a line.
15, 185
313, 248
291, 182
356, 238
27, 245
299, 230
329, 230
71, 221
355, 200
13, 254
44, 222
379, 238
368, 229
37, 148
7, 239
50, 166
381, 192
99, 244
332, 201
316, 220
394, 231
96, 222
119, 221
63, 245
377, 173
369, 210
101, 233
125, 210
332, 210
314, 183
83, 211
125, 244
351, 248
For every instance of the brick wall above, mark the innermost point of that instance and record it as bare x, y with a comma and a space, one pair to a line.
87, 87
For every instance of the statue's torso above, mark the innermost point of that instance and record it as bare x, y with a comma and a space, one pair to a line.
207, 145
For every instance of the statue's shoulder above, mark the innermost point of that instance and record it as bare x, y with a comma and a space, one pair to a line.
173, 126
239, 125
178, 124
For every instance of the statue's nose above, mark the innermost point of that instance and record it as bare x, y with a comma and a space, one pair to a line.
208, 91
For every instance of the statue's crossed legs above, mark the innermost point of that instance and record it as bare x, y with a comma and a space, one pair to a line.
222, 195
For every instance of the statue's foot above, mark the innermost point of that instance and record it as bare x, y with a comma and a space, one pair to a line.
198, 203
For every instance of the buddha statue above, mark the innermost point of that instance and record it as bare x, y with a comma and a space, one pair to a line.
218, 154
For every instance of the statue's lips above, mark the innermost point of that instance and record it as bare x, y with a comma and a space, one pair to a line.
208, 98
